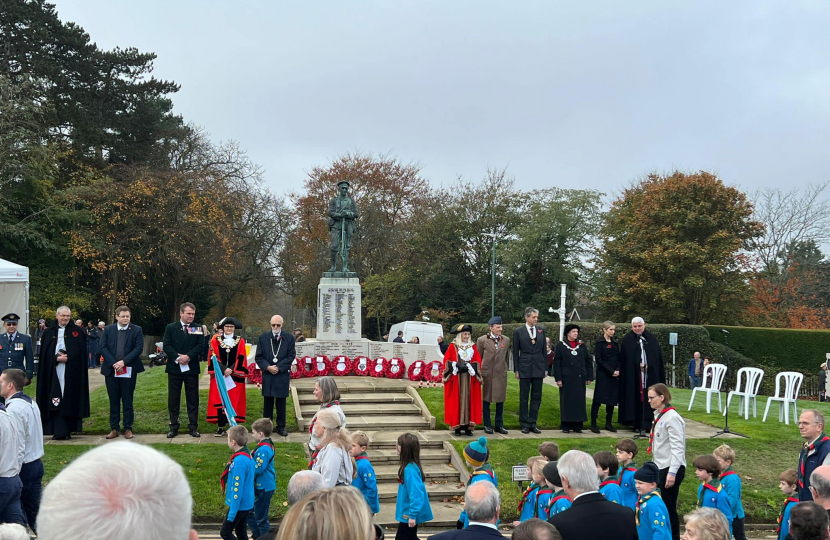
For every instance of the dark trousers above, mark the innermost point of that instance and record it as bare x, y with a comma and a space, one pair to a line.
236, 529
120, 392
31, 475
405, 532
609, 413
738, 529
643, 415
499, 414
191, 396
669, 496
10, 510
258, 519
268, 411
92, 355
529, 388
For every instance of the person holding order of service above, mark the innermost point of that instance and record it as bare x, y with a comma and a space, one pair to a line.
573, 369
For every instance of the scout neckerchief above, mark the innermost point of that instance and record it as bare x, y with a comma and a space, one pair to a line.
713, 485
641, 501
556, 496
530, 489
630, 467
360, 456
610, 480
269, 444
805, 453
727, 472
543, 491
484, 469
654, 426
223, 479
781, 513
573, 348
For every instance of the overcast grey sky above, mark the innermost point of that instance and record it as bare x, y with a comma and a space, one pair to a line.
570, 94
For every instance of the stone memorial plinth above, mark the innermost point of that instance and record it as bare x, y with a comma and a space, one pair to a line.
338, 309
408, 352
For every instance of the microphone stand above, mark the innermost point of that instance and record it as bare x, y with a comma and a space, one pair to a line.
726, 429
644, 388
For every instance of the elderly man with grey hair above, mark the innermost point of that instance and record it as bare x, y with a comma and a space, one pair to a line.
129, 491
304, 482
820, 486
641, 366
590, 515
483, 505
530, 364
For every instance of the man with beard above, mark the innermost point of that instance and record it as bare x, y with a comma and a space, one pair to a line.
62, 378
641, 367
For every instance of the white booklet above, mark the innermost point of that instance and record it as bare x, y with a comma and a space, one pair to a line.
125, 373
229, 384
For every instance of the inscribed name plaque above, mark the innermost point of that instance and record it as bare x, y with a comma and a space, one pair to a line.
338, 309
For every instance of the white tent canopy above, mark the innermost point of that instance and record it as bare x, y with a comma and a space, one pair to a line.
14, 292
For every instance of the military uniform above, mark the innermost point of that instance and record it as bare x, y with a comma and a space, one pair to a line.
16, 350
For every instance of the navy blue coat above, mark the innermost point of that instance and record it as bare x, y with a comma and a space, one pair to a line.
275, 385
133, 346
473, 532
17, 355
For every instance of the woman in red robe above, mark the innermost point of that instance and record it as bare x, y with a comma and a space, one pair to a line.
230, 352
462, 382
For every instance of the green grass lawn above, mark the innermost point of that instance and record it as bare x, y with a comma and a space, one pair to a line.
203, 464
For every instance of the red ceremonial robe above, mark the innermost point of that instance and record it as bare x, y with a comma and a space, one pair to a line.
454, 409
234, 358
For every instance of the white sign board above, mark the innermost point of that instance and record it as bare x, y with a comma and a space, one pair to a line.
673, 338
521, 473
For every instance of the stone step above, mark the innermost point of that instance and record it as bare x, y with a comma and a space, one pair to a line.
442, 472
367, 409
352, 385
378, 443
444, 515
361, 397
437, 491
386, 422
384, 456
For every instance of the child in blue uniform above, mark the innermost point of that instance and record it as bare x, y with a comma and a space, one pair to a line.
711, 493
731, 483
412, 506
527, 504
265, 477
549, 450
789, 487
609, 484
544, 494
366, 480
650, 515
558, 502
477, 455
626, 450
238, 483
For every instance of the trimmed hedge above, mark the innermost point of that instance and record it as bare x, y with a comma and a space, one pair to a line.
782, 349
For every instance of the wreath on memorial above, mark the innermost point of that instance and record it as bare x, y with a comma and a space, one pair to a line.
416, 371
296, 369
322, 366
432, 373
308, 366
377, 367
255, 374
394, 368
341, 366
360, 366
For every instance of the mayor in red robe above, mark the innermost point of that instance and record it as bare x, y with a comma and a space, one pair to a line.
230, 352
462, 382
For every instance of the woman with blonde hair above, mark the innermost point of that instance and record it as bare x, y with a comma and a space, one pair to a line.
339, 513
333, 460
706, 524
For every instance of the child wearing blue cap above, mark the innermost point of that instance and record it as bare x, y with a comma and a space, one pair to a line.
477, 455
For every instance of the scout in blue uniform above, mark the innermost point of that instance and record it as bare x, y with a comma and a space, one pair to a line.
265, 477
626, 450
16, 349
477, 454
731, 483
789, 487
711, 493
650, 514
609, 484
366, 480
238, 483
558, 501
527, 503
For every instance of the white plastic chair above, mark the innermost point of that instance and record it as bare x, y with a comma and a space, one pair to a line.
751, 377
718, 371
792, 385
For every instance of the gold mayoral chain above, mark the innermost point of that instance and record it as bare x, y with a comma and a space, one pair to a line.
229, 347
572, 349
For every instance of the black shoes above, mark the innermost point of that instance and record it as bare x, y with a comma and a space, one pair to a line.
501, 430
594, 428
577, 431
172, 433
468, 432
525, 430
566, 430
219, 432
609, 427
282, 433
488, 430
458, 431
194, 433
536, 430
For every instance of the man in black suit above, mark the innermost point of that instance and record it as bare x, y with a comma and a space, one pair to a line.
121, 345
483, 505
398, 339
184, 344
591, 515
274, 354
530, 365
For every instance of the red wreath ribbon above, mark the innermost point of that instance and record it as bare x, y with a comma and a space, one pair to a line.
308, 366
321, 366
296, 368
346, 369
373, 367
433, 367
387, 368
416, 365
254, 374
356, 369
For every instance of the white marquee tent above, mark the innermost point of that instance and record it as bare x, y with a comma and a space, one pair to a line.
14, 292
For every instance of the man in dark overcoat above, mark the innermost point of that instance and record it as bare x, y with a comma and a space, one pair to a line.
494, 349
274, 353
530, 365
62, 378
184, 345
641, 367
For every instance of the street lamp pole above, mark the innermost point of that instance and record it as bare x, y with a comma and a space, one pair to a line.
493, 279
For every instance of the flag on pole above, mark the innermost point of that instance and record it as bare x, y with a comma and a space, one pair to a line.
223, 391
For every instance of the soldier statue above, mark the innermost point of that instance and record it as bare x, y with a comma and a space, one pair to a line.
342, 215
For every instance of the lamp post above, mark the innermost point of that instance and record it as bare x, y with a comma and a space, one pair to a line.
493, 280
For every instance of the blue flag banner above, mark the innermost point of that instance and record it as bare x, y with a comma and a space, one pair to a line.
218, 373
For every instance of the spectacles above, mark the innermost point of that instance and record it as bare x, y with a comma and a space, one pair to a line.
653, 397
10, 323
276, 325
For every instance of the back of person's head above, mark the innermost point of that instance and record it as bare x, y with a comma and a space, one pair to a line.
410, 453
304, 482
360, 438
551, 473
725, 452
820, 482
808, 521
13, 531
708, 463
15, 376
339, 512
264, 426
535, 529
578, 468
606, 460
335, 432
239, 435
708, 524
549, 450
482, 502
126, 487
328, 389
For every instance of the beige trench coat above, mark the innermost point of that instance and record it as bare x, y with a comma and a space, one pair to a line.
493, 368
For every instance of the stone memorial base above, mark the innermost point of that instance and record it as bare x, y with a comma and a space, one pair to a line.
338, 309
408, 352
